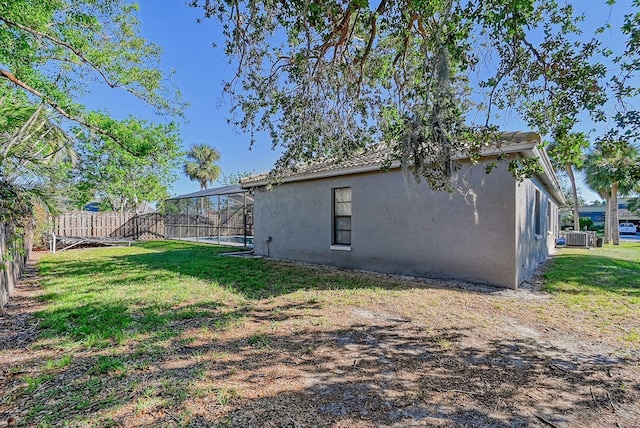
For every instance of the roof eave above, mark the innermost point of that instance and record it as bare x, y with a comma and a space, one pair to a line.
487, 152
549, 177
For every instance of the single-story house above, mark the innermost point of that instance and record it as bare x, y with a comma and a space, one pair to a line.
354, 215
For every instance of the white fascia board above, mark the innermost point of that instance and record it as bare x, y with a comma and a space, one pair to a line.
549, 178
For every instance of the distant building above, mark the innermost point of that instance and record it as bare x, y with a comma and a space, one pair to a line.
598, 213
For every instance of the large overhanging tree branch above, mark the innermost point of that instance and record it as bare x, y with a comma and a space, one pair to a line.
53, 50
104, 72
327, 78
625, 85
78, 119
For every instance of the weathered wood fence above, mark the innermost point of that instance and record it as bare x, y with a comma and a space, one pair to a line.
152, 226
12, 261
109, 224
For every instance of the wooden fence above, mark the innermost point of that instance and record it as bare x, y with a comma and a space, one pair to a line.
89, 224
12, 261
84, 224
114, 225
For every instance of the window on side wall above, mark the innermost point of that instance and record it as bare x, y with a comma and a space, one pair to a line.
537, 215
341, 216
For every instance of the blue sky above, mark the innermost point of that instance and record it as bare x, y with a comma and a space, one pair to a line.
200, 70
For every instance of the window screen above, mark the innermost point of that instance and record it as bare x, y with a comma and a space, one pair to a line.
342, 216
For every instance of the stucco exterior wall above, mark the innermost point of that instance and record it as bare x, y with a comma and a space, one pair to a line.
398, 226
533, 248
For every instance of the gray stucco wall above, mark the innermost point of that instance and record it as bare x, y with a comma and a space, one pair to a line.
398, 226
532, 249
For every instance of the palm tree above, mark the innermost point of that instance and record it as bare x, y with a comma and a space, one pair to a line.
35, 153
609, 169
201, 164
566, 153
598, 180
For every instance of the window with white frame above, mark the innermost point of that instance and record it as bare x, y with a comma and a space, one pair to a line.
341, 216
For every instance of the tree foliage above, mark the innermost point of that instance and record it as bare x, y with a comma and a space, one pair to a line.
35, 157
50, 50
327, 78
608, 171
201, 164
122, 181
234, 178
51, 54
634, 205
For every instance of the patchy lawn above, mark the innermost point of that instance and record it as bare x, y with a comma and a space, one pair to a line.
174, 334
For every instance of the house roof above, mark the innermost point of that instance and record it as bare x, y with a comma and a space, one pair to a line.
525, 143
226, 190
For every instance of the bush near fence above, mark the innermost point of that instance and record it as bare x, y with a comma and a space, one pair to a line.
12, 261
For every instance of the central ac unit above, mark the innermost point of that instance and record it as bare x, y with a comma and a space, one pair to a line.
577, 239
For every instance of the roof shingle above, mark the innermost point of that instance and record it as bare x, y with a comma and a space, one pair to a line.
507, 141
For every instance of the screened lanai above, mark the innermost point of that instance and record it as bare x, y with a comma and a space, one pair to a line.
221, 215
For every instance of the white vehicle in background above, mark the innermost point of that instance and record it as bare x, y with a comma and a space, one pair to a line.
627, 229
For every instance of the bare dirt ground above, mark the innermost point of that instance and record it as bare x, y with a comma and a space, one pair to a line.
431, 354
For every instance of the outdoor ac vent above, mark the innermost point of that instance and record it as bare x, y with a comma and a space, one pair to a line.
577, 239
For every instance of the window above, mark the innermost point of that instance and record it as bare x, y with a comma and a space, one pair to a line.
342, 216
537, 219
548, 228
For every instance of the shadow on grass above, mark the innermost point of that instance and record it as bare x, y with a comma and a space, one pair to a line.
82, 313
588, 273
254, 278
209, 363
383, 373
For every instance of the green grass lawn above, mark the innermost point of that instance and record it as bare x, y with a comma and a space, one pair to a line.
150, 328
100, 296
604, 281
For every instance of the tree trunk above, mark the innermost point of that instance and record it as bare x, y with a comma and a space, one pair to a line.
574, 192
607, 220
614, 216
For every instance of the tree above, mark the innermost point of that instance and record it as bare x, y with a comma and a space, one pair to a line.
201, 165
35, 153
634, 205
49, 52
566, 153
609, 171
328, 78
598, 180
234, 178
623, 84
51, 49
122, 181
